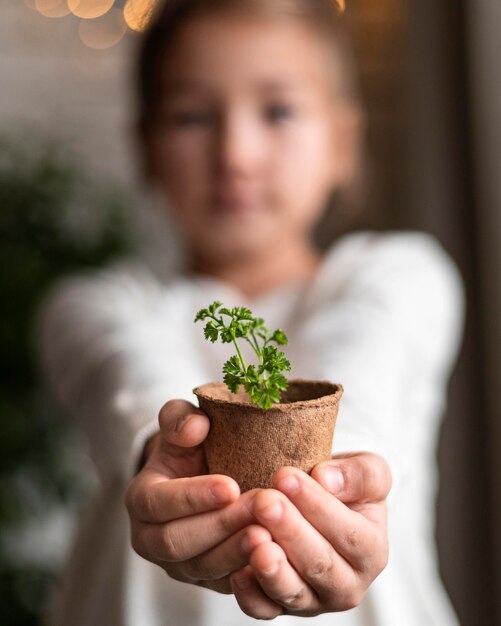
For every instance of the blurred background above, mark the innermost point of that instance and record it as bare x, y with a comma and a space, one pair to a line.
70, 196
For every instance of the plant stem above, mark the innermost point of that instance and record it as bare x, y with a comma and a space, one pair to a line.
255, 347
242, 362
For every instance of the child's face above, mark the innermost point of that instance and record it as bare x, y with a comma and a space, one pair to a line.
250, 138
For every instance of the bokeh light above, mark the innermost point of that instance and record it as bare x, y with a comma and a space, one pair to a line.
138, 13
51, 8
90, 9
104, 32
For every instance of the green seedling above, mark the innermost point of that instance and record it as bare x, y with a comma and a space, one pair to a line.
265, 381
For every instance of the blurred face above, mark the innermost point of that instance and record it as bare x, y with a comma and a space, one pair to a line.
250, 137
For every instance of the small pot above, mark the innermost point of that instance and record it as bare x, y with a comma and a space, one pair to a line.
250, 444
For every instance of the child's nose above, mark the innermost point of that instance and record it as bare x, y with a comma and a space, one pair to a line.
240, 148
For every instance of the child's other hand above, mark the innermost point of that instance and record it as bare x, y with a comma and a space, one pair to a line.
326, 549
195, 526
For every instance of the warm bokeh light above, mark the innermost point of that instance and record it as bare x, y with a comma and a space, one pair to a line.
51, 8
30, 4
104, 32
137, 13
90, 9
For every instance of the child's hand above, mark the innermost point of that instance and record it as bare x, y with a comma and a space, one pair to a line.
326, 549
194, 526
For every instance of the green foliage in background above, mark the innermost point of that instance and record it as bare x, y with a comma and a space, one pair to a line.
54, 219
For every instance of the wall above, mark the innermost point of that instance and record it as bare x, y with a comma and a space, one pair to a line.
49, 79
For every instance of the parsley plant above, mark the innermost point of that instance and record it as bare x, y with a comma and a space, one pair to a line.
263, 382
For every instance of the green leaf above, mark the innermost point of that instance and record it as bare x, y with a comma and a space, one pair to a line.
233, 366
210, 311
258, 322
242, 313
202, 314
232, 382
254, 391
274, 360
226, 335
279, 337
252, 376
259, 329
282, 363
211, 331
240, 328
278, 381
215, 306
274, 395
234, 376
265, 400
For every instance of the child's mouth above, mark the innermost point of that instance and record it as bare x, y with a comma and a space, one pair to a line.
233, 203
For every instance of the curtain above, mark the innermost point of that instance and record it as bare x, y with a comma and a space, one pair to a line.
451, 172
483, 30
430, 75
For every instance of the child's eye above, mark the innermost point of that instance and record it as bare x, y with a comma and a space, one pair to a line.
191, 118
278, 112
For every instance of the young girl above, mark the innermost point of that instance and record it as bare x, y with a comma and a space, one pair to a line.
248, 123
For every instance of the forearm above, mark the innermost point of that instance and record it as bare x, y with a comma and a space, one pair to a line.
97, 380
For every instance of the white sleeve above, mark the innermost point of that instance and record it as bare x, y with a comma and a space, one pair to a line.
390, 336
95, 367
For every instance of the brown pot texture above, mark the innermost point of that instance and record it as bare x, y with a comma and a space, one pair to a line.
250, 444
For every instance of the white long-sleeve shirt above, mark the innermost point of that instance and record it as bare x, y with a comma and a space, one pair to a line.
383, 316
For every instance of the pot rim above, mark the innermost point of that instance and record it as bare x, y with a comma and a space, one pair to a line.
329, 398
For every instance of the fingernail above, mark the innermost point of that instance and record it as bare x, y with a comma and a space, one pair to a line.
181, 422
271, 570
271, 513
289, 484
246, 545
220, 493
333, 478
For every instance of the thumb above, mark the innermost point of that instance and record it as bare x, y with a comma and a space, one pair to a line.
355, 477
176, 449
182, 425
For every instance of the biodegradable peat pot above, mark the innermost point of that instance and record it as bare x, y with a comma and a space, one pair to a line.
249, 443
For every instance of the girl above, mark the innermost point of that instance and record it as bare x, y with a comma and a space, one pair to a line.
248, 123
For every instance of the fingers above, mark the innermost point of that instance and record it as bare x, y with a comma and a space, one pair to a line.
356, 477
177, 450
250, 596
154, 499
318, 555
229, 556
182, 425
188, 537
324, 553
269, 586
280, 581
